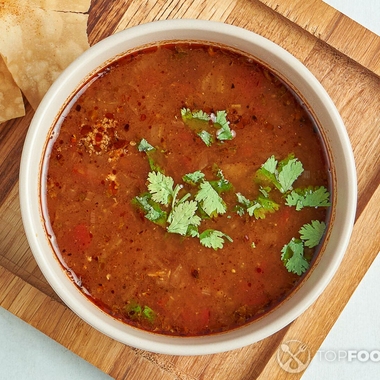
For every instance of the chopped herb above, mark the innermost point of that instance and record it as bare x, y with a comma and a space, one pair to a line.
265, 191
182, 217
187, 114
220, 119
213, 238
309, 197
206, 137
263, 206
193, 178
152, 209
209, 200
148, 313
293, 257
258, 208
152, 154
196, 120
293, 252
161, 187
136, 311
281, 174
312, 233
144, 146
192, 231
222, 185
288, 173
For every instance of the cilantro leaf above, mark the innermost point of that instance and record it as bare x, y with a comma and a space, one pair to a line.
308, 197
192, 231
152, 154
311, 233
262, 207
152, 210
209, 200
133, 310
182, 217
270, 165
187, 114
265, 191
193, 178
293, 252
206, 137
148, 313
161, 187
196, 121
213, 238
288, 173
258, 208
243, 200
136, 311
293, 257
144, 146
222, 185
281, 174
268, 171
220, 119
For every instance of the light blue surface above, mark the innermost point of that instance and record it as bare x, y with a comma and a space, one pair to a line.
26, 353
346, 352
365, 12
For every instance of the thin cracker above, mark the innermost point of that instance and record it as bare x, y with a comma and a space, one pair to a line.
11, 101
37, 45
80, 6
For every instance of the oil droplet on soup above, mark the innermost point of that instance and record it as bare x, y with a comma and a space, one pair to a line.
154, 244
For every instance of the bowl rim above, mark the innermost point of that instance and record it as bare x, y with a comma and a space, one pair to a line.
29, 185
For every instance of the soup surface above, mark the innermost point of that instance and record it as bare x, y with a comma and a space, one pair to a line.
187, 189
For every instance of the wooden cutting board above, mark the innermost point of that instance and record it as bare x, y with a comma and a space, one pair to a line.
346, 59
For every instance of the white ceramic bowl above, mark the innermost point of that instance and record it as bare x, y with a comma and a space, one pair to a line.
287, 67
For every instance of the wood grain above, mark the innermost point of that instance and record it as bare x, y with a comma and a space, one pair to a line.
317, 35
334, 28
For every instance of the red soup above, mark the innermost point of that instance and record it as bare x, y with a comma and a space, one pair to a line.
187, 189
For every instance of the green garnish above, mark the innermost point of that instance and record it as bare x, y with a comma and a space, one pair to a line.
258, 208
293, 252
206, 137
213, 238
193, 178
144, 146
152, 210
209, 200
170, 206
293, 257
136, 311
151, 153
182, 217
187, 114
220, 119
148, 313
309, 197
180, 214
161, 187
222, 185
196, 120
281, 174
312, 233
